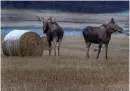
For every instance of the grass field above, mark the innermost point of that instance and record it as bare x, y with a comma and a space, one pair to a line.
72, 71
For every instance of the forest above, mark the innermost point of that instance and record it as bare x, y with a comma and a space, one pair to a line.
70, 6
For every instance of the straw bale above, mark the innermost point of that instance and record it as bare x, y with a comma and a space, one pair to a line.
24, 44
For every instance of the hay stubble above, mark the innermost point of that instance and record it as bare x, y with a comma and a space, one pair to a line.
71, 71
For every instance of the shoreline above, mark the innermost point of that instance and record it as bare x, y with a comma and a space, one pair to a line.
38, 24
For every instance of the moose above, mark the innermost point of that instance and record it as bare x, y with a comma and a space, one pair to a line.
54, 33
100, 35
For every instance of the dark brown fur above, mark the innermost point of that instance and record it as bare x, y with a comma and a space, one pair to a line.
54, 33
100, 35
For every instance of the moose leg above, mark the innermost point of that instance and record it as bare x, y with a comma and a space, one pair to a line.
59, 43
49, 43
106, 47
54, 43
49, 47
88, 46
100, 46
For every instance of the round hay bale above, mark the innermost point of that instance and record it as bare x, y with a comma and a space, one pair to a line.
45, 43
22, 43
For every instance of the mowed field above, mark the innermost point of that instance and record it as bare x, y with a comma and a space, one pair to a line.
72, 71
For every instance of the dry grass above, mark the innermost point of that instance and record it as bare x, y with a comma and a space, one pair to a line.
71, 71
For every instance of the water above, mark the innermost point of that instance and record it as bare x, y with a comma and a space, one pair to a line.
67, 31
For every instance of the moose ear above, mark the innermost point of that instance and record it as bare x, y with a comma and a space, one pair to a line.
112, 19
50, 19
40, 18
54, 19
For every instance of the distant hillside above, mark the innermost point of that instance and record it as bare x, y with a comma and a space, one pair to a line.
70, 6
31, 15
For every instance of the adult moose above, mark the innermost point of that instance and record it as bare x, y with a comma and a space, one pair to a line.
54, 33
100, 35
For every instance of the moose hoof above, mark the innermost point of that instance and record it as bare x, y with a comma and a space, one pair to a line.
97, 58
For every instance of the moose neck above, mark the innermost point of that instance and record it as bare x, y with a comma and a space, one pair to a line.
49, 26
109, 30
